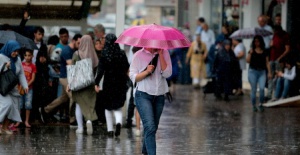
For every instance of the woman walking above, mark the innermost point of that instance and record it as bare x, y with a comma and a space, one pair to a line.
85, 98
150, 76
9, 109
258, 64
196, 55
113, 65
225, 66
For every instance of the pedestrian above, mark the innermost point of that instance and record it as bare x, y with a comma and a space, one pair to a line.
225, 67
99, 31
26, 99
51, 44
131, 106
196, 55
279, 49
211, 56
9, 109
150, 76
42, 83
66, 59
113, 65
284, 80
63, 38
200, 22
208, 36
38, 40
240, 53
100, 110
85, 98
98, 47
258, 64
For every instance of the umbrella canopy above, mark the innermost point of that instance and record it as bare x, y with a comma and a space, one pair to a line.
250, 33
153, 36
23, 41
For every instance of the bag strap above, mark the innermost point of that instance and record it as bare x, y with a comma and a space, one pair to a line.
154, 62
2, 69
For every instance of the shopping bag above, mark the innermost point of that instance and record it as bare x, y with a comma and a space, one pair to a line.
80, 75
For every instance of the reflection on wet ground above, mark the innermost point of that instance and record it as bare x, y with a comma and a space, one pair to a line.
189, 125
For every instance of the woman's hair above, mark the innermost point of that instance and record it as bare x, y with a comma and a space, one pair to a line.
261, 42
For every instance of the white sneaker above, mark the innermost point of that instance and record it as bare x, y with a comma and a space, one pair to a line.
89, 127
79, 131
138, 133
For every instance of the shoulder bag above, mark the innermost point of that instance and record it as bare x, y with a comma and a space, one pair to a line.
81, 74
8, 80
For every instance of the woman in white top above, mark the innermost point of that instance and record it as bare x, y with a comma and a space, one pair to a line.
150, 77
239, 51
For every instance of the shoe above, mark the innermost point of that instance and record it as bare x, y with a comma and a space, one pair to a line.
110, 134
6, 132
12, 128
73, 125
79, 131
261, 108
118, 130
89, 127
254, 109
137, 133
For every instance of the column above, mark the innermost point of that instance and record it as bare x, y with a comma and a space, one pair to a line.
120, 20
284, 15
205, 10
250, 13
193, 15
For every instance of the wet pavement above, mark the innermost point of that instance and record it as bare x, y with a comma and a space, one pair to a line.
190, 125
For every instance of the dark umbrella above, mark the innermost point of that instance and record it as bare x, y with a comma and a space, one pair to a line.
247, 33
23, 41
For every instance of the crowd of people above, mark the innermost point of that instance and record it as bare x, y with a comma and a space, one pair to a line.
44, 94
272, 62
44, 90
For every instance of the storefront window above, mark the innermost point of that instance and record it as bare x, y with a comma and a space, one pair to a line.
271, 9
168, 16
216, 16
231, 14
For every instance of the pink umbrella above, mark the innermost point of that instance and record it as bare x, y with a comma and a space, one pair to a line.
153, 36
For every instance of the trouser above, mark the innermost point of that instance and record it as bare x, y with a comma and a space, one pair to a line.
257, 77
271, 82
131, 106
150, 108
109, 118
282, 92
63, 99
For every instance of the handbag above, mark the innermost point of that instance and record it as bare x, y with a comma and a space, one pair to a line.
80, 75
8, 80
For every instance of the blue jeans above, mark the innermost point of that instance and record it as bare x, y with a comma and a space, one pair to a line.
271, 82
150, 109
257, 77
27, 100
286, 85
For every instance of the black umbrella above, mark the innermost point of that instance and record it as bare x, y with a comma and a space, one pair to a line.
23, 41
